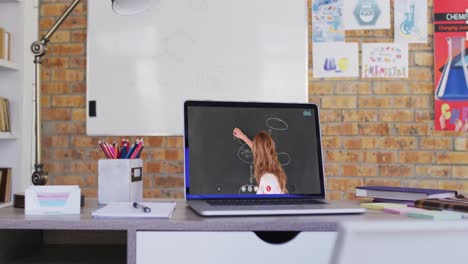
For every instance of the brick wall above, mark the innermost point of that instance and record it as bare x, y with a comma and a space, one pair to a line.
374, 131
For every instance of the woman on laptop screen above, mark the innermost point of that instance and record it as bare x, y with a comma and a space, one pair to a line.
268, 172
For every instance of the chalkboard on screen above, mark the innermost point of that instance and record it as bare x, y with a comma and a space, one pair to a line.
219, 163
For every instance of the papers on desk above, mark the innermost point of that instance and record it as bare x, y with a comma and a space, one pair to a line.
126, 210
414, 212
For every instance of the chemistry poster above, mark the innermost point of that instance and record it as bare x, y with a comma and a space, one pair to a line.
450, 65
410, 21
384, 60
335, 60
367, 14
327, 21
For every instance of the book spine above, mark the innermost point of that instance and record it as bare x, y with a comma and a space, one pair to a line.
2, 115
2, 44
7, 115
3, 182
8, 186
8, 46
440, 205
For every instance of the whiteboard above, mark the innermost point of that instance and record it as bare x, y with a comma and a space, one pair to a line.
141, 68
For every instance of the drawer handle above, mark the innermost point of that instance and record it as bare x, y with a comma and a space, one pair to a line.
276, 237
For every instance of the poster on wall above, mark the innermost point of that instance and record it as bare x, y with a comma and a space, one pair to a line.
327, 21
366, 14
410, 21
335, 60
384, 60
450, 65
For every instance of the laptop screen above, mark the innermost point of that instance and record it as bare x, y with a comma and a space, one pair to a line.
252, 150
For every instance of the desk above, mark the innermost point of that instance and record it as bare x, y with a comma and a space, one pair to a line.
61, 239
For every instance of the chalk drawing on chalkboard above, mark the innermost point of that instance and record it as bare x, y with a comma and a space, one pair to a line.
245, 154
276, 124
284, 158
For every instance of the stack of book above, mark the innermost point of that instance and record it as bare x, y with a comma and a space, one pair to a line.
4, 115
5, 185
5, 44
402, 194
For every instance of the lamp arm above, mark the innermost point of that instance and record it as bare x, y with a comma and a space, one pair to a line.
39, 49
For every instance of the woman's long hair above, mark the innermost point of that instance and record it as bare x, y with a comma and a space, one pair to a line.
266, 159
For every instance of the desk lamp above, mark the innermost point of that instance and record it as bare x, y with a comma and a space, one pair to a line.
39, 49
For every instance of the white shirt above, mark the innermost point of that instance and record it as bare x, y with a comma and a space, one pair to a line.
269, 185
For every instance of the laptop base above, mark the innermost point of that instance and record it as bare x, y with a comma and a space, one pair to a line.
205, 209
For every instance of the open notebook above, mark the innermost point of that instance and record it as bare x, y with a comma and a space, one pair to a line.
126, 210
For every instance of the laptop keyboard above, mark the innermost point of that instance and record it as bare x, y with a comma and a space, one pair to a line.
264, 202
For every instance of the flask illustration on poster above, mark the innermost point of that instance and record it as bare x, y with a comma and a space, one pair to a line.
453, 84
408, 24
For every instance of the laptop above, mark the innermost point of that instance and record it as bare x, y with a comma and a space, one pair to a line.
245, 158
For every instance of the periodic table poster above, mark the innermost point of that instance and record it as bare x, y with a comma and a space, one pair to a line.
451, 65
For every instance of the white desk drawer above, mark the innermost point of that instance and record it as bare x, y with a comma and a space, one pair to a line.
231, 247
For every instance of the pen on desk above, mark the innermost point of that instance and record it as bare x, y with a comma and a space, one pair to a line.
146, 209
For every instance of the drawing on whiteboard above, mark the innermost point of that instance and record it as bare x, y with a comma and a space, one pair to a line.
245, 153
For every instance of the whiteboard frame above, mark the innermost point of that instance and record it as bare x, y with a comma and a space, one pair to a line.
281, 75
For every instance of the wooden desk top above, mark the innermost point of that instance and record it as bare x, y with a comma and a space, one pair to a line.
183, 219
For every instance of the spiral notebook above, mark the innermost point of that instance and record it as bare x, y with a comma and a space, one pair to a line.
126, 210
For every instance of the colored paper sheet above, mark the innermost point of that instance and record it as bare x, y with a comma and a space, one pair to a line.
402, 210
335, 60
384, 60
381, 206
450, 65
464, 215
410, 21
435, 215
366, 14
327, 21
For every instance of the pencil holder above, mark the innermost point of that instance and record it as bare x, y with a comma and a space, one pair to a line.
120, 180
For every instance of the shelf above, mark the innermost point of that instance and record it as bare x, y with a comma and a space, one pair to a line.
56, 254
8, 65
6, 135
